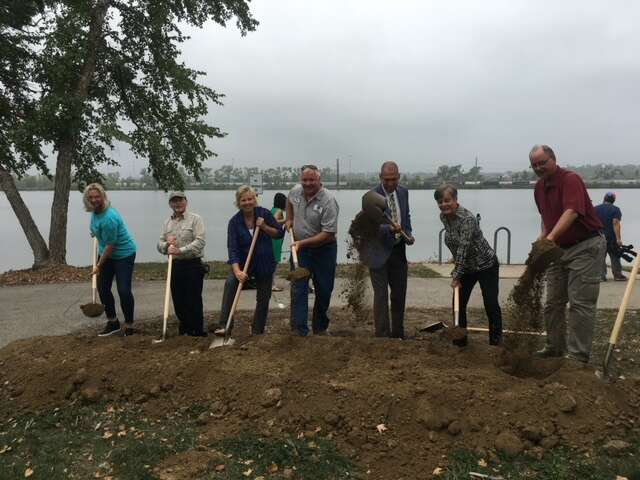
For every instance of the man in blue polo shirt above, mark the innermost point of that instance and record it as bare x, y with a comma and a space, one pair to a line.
610, 216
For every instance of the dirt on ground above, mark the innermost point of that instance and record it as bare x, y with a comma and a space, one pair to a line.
397, 408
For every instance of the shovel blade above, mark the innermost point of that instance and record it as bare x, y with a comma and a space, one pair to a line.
299, 273
221, 342
92, 310
434, 327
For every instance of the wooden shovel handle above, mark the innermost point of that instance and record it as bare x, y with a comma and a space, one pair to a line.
167, 297
294, 251
94, 262
625, 301
456, 306
236, 298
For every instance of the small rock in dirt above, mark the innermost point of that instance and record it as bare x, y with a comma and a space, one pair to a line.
332, 419
154, 391
509, 443
549, 442
166, 387
271, 397
80, 377
454, 428
565, 402
203, 418
287, 473
616, 448
142, 398
90, 394
535, 453
475, 424
68, 391
533, 433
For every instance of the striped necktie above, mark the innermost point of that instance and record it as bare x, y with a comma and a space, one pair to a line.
394, 211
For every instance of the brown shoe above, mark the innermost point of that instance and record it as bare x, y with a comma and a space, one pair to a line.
621, 278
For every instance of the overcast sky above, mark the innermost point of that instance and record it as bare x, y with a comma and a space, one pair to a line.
424, 83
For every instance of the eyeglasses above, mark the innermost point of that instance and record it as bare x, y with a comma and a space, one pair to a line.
539, 164
308, 167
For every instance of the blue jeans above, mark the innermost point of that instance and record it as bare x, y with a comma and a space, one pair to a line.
321, 262
122, 269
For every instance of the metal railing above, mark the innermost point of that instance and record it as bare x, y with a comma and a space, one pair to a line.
495, 243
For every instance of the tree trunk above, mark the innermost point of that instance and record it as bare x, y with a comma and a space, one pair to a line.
68, 144
29, 227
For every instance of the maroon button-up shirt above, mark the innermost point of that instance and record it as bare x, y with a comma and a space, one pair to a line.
563, 191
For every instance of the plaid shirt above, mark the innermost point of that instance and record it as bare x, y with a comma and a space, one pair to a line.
470, 249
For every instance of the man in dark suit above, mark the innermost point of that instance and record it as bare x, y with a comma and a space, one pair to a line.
386, 256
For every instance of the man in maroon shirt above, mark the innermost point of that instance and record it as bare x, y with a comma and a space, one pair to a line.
569, 220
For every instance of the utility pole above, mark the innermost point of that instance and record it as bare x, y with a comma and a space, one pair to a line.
337, 174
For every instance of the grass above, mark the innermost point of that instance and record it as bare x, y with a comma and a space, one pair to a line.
315, 459
557, 464
89, 441
220, 270
105, 441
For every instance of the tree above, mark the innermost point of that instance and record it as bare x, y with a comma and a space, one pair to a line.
106, 71
452, 174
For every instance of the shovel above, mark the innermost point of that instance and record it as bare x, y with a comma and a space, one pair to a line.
375, 206
298, 272
93, 309
617, 326
226, 339
167, 296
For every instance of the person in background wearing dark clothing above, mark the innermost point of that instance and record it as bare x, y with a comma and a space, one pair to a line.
386, 256
117, 256
610, 216
242, 226
475, 261
183, 236
278, 211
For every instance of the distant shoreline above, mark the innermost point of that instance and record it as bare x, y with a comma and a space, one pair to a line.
613, 186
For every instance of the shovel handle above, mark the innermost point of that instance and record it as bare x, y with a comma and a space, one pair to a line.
167, 296
456, 306
94, 262
625, 301
236, 298
294, 251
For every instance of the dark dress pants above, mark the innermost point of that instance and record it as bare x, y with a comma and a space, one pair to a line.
392, 276
186, 290
489, 281
263, 296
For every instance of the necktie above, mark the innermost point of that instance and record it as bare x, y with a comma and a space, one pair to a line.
394, 212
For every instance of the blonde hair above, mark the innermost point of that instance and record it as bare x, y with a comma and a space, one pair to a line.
242, 189
98, 188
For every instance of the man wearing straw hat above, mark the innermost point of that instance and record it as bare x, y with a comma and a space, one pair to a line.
183, 236
312, 214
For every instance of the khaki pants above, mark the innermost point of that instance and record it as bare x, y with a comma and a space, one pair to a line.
575, 279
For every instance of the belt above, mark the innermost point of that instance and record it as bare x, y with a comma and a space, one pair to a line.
591, 235
187, 261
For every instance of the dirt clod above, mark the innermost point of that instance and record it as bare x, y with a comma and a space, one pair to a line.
509, 443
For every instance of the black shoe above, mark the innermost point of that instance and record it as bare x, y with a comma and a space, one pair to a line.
620, 278
128, 330
112, 327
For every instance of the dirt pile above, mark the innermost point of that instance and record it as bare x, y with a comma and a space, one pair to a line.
397, 408
523, 310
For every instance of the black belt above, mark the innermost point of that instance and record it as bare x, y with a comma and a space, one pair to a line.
591, 235
187, 261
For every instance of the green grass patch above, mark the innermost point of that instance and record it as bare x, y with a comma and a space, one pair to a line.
557, 464
316, 459
220, 270
88, 441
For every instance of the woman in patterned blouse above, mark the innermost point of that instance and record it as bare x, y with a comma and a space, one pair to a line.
475, 261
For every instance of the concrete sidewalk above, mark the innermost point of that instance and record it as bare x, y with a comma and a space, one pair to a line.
28, 311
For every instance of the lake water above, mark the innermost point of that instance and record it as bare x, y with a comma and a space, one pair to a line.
144, 212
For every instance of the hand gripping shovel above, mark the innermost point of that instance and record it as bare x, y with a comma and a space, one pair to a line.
613, 340
93, 309
374, 206
167, 296
226, 339
298, 272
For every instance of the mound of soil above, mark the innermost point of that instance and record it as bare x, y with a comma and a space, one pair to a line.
430, 397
